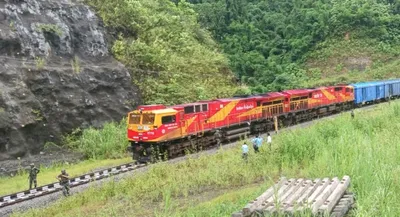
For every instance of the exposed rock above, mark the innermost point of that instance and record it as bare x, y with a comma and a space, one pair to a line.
56, 74
357, 63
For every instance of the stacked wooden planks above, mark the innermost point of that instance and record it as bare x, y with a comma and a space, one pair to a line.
319, 197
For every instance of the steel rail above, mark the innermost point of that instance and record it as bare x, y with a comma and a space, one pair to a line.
18, 197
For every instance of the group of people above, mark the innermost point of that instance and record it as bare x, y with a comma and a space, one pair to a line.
257, 142
63, 178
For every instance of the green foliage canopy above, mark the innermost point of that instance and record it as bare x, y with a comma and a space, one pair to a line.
172, 59
267, 41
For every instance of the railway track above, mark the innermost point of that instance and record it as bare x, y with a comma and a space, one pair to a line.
22, 196
18, 197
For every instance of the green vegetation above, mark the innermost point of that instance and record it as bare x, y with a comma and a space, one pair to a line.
172, 59
50, 28
267, 42
365, 148
40, 63
38, 114
47, 175
341, 61
75, 64
110, 142
181, 51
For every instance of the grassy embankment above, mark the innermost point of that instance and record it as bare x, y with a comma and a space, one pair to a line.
103, 148
365, 148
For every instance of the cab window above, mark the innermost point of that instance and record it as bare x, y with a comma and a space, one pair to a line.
168, 119
148, 119
134, 119
189, 109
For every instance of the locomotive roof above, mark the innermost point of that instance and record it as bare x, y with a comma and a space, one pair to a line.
299, 91
256, 96
228, 99
163, 111
275, 94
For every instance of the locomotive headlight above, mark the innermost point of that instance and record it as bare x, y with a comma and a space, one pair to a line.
140, 127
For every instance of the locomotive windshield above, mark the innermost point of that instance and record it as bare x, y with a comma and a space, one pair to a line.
148, 119
134, 118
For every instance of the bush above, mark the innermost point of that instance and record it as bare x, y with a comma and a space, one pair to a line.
108, 142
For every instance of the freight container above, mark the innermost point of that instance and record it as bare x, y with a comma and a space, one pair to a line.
369, 92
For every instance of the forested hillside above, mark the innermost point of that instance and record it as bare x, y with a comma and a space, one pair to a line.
180, 51
172, 59
268, 42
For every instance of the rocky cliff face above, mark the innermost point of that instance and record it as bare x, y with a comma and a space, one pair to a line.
56, 74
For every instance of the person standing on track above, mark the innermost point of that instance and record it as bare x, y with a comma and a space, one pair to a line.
269, 141
245, 151
64, 182
33, 175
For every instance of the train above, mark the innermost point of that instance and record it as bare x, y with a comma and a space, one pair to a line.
157, 132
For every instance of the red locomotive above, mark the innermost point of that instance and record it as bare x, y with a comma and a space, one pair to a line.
155, 130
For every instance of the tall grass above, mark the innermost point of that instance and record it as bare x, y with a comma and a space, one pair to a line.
366, 149
106, 143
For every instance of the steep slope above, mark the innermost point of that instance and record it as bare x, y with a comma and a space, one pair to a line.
56, 74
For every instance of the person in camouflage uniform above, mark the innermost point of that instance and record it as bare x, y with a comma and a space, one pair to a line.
217, 136
64, 182
32, 176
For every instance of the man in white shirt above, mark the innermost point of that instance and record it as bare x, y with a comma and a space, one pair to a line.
269, 141
245, 151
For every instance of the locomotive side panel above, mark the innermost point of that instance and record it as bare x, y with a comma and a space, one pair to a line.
325, 96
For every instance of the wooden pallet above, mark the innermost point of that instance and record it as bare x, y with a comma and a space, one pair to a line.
319, 197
